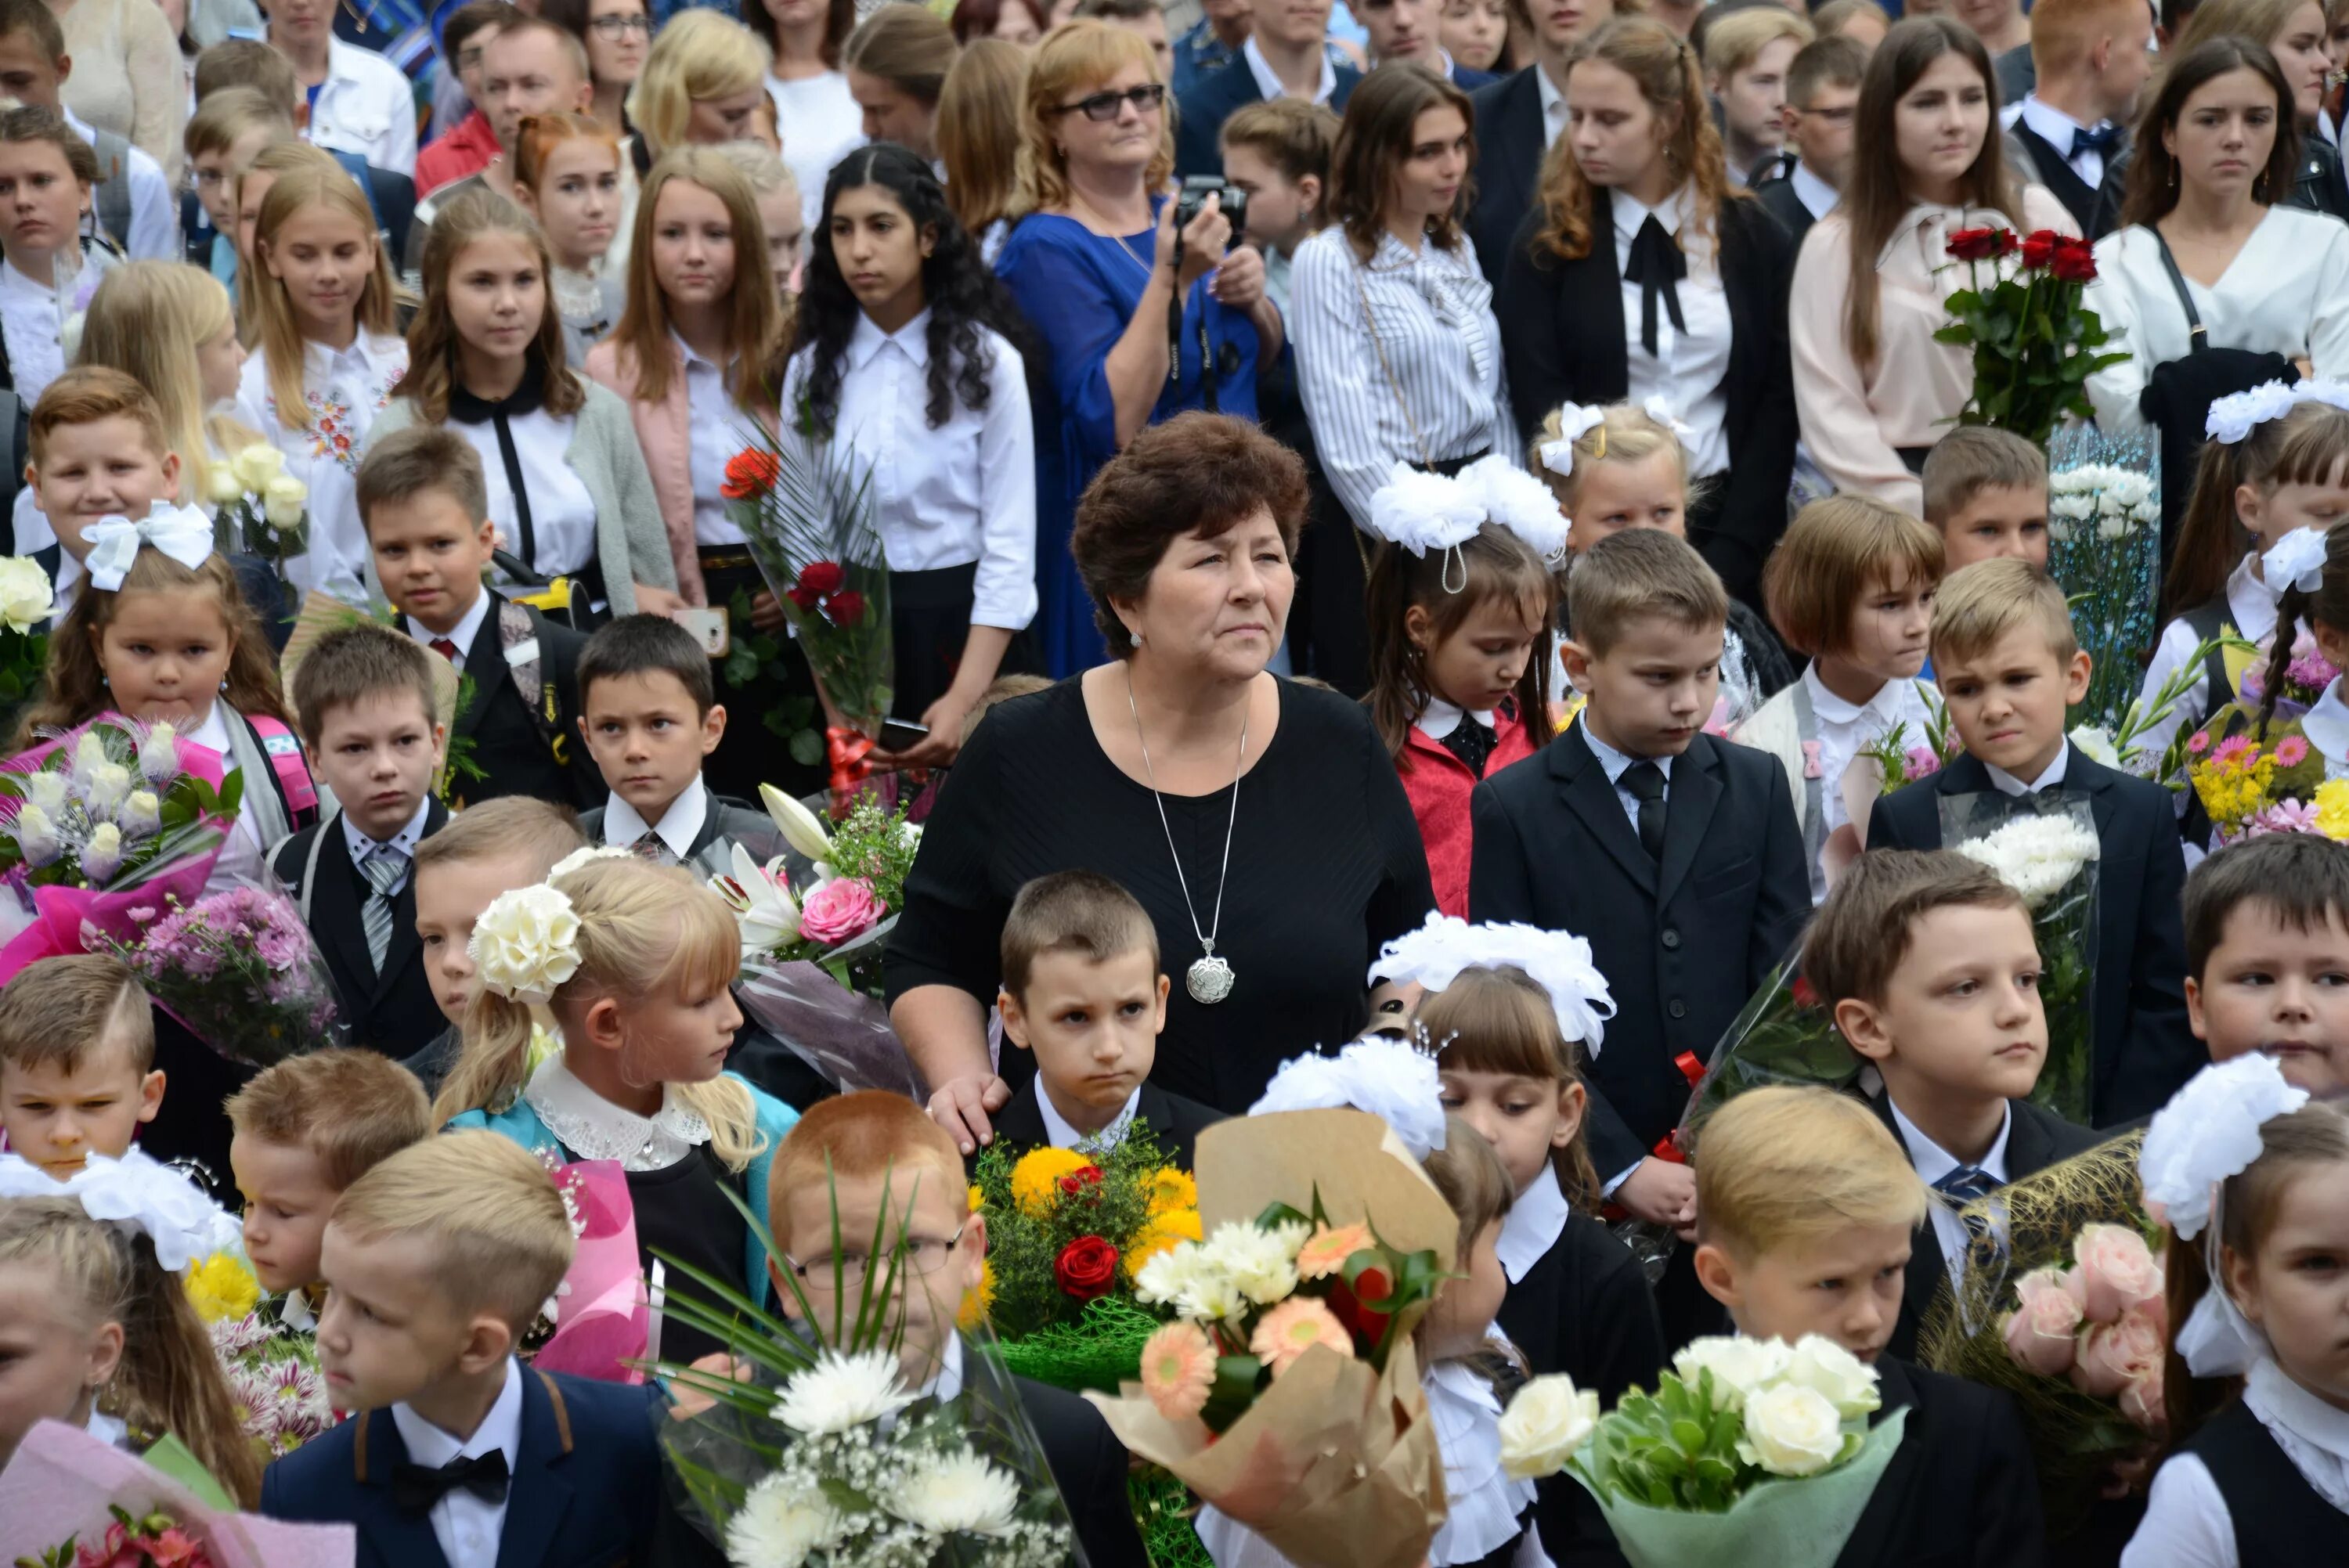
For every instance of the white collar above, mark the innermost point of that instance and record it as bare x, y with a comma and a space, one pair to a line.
1884, 704
343, 59
500, 1431
1815, 194
1532, 1227
1934, 1162
2008, 784
1482, 1504
1553, 101
913, 340
2276, 1400
592, 1127
468, 626
690, 356
679, 826
2326, 725
1615, 762
114, 1433
215, 732
1063, 1135
1269, 83
2251, 601
367, 351
294, 1311
405, 840
1443, 718
1629, 214
2050, 124
15, 282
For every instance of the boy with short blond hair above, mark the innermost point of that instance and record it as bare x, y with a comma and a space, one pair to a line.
77, 1072
2267, 939
2009, 665
436, 1261
1986, 493
223, 135
1806, 1207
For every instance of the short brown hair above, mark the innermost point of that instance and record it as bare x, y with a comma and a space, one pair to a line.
1980, 604
1783, 1166
2302, 878
487, 1203
910, 47
1196, 473
356, 663
1835, 550
2063, 32
351, 1108
88, 393
407, 463
1294, 135
1638, 573
1829, 60
247, 63
33, 16
474, 17
1972, 458
1083, 912
57, 1012
1862, 932
867, 1133
1831, 19
646, 643
511, 825
228, 114
1733, 41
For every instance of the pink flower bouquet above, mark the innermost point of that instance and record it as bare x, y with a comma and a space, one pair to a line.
239, 968
2099, 1324
602, 1321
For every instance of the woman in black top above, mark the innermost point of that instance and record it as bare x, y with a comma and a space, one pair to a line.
1184, 541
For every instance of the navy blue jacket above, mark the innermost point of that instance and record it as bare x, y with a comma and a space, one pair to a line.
1201, 113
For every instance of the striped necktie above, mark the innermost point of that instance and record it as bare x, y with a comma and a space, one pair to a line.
384, 866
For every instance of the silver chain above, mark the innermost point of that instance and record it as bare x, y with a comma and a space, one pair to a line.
1207, 938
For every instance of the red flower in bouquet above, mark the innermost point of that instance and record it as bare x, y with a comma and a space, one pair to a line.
752, 471
1980, 245
1076, 1181
1087, 1267
2032, 341
1803, 995
846, 608
820, 577
2075, 261
2039, 247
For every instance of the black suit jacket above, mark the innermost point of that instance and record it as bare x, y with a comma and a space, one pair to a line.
1201, 112
2144, 1051
1683, 945
1089, 1464
394, 1012
2097, 210
520, 753
1564, 323
1961, 1491
2017, 73
1176, 1122
1778, 198
1509, 152
2035, 1139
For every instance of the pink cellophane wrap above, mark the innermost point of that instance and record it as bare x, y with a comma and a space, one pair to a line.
63, 1480
602, 1320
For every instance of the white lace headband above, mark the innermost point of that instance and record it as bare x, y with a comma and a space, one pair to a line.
1393, 1080
2237, 415
1559, 962
1421, 512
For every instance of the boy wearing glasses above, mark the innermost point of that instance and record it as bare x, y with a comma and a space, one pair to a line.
1822, 92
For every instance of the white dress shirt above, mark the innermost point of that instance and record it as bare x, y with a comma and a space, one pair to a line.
715, 423
562, 511
820, 123
2188, 1523
1816, 195
2006, 783
32, 323
1064, 1135
1482, 1504
1687, 367
1532, 1227
405, 840
2326, 725
2056, 129
154, 212
1427, 367
1933, 1162
343, 391
1844, 727
1618, 763
366, 106
592, 1127
962, 491
2250, 610
468, 628
1269, 84
467, 1526
679, 826
1553, 104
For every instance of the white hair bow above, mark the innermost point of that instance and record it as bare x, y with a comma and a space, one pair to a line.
1575, 420
181, 532
138, 1191
1559, 962
1421, 511
2237, 415
2296, 560
1393, 1080
1660, 408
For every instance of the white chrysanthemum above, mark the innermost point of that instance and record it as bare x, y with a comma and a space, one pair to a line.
1211, 1299
2035, 856
526, 944
1168, 1274
958, 1493
1261, 1264
580, 857
778, 1525
842, 1391
25, 597
2076, 504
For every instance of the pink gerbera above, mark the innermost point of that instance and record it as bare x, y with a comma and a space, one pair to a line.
2291, 752
1295, 1326
2233, 746
1178, 1368
2199, 742
1327, 1252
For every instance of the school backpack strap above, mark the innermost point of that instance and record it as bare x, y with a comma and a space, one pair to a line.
307, 882
518, 637
293, 783
15, 431
355, 166
113, 202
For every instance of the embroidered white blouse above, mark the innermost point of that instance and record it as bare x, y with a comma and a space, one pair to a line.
2188, 1523
342, 392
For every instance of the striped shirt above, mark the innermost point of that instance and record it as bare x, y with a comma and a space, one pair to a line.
1439, 394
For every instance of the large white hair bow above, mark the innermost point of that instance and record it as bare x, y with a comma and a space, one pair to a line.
2296, 560
1421, 511
2238, 414
181, 532
1518, 503
1659, 408
1575, 420
1393, 1080
1557, 960
138, 1191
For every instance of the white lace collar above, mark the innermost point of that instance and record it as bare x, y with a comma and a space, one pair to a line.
1483, 1503
592, 1127
1532, 1227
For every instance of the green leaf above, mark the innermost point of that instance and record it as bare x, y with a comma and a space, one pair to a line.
807, 747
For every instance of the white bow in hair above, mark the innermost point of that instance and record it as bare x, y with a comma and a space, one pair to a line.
2238, 414
1575, 420
1660, 408
2296, 560
1559, 962
138, 1191
181, 532
1518, 503
1393, 1080
1421, 511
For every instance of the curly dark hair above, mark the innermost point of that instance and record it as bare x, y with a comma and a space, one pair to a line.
962, 292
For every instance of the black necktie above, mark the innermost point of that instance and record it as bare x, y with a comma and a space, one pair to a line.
1645, 782
416, 1487
1470, 742
1656, 265
2101, 139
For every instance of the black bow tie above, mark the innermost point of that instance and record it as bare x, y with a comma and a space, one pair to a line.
416, 1487
2101, 139
1656, 265
1470, 742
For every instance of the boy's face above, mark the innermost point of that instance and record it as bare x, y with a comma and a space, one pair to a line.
1279, 211
1652, 692
56, 1117
216, 173
388, 1330
945, 1248
28, 73
646, 738
431, 556
286, 1201
1093, 1026
2283, 993
107, 468
1999, 520
1754, 99
1846, 1287
2007, 700
1401, 30
381, 754
1821, 131
450, 898
1961, 1020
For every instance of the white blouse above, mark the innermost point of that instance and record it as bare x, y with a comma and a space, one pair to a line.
1399, 361
2188, 1523
1688, 368
961, 492
32, 325
2250, 610
562, 513
343, 391
821, 124
2326, 725
714, 426
2286, 291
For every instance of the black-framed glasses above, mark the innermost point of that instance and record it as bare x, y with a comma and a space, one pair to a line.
923, 1255
621, 26
1145, 99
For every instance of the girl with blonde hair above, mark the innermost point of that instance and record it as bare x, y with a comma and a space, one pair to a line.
646, 1020
701, 82
978, 139
173, 329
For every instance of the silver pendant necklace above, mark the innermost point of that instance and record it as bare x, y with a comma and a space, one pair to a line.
1209, 979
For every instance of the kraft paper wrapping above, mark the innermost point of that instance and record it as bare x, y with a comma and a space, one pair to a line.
322, 614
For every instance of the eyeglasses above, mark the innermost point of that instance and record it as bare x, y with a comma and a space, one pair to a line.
921, 1255
1841, 114
621, 26
1145, 99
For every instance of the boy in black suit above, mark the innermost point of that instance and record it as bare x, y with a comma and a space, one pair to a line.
2267, 939
1929, 964
1675, 853
2008, 664
425, 504
1806, 1206
1822, 97
1082, 989
364, 699
435, 1262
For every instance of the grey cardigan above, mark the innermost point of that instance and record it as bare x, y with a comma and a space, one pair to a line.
629, 533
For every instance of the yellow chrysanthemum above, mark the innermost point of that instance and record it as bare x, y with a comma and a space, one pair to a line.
977, 1199
222, 1288
1171, 1189
1036, 1180
1181, 1223
1160, 1235
2332, 809
976, 1304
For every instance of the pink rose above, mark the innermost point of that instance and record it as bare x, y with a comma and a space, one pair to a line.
842, 908
2141, 1402
2116, 1272
2115, 1355
2041, 1334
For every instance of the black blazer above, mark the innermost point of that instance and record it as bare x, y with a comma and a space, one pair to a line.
1683, 945
1778, 198
2145, 1053
727, 821
2096, 209
1961, 1491
1176, 1122
2035, 1139
1088, 1463
1563, 323
521, 752
395, 1012
1509, 152
2319, 188
1201, 112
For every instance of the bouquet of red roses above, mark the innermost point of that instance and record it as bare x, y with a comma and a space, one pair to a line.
2034, 343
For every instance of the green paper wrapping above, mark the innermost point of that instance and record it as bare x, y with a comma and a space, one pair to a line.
1163, 1510
1100, 1351
171, 1457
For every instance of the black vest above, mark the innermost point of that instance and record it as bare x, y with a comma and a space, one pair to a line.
2278, 1517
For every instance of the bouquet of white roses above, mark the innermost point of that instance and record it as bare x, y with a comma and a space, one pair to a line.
267, 508
1748, 1451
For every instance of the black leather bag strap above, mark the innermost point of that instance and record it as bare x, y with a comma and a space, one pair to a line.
2196, 334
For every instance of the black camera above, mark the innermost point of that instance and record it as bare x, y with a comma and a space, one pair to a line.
1197, 188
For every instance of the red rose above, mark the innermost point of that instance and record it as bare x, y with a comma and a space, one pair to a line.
822, 577
1086, 1268
2076, 261
805, 601
1976, 244
749, 472
1802, 994
1076, 1181
2039, 247
845, 607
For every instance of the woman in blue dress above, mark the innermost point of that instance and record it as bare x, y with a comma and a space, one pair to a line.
1095, 266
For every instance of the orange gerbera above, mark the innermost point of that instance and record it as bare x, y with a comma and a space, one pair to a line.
1330, 1248
1295, 1326
1178, 1369
749, 472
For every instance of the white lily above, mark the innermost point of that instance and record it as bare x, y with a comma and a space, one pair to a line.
801, 828
760, 898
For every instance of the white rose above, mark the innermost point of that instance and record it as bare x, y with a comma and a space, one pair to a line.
25, 597
102, 856
143, 813
284, 500
526, 944
109, 787
1739, 1367
35, 834
158, 755
1544, 1424
222, 487
46, 790
1791, 1430
257, 465
1821, 1364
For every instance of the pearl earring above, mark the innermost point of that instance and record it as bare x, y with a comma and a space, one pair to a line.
1137, 639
